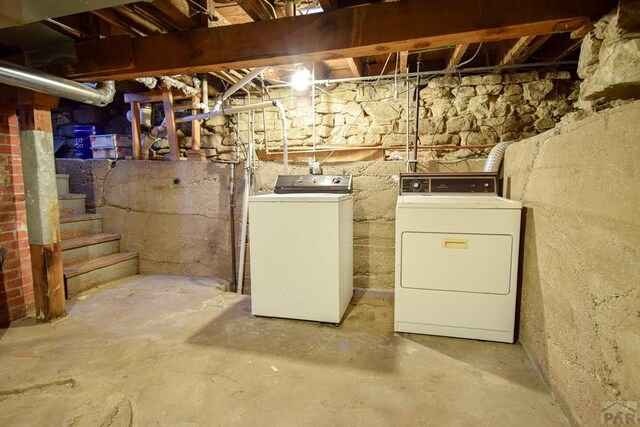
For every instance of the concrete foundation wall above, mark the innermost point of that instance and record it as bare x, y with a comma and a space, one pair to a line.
580, 295
174, 214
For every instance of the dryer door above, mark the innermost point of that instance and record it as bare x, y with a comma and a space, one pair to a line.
479, 263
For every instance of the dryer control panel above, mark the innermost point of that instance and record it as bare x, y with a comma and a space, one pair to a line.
449, 183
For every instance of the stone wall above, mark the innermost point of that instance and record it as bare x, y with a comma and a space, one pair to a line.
580, 296
375, 190
610, 58
468, 111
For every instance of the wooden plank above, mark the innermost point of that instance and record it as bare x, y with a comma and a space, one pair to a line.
515, 51
112, 18
328, 5
195, 126
404, 60
35, 117
355, 65
135, 130
93, 54
48, 281
177, 12
457, 55
256, 9
330, 155
170, 123
533, 48
353, 32
144, 97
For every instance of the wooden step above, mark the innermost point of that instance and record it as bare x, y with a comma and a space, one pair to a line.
71, 204
80, 218
62, 183
87, 275
85, 248
80, 225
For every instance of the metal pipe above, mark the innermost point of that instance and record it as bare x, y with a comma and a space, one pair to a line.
250, 107
238, 85
473, 70
406, 157
415, 139
17, 75
245, 218
232, 223
495, 156
205, 94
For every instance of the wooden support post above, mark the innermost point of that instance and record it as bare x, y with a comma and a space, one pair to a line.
43, 223
195, 126
170, 122
195, 153
135, 130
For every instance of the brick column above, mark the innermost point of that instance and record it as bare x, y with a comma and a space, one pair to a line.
16, 284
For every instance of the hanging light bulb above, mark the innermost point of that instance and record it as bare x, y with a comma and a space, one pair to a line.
300, 79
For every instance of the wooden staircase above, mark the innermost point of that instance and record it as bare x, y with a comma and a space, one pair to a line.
90, 257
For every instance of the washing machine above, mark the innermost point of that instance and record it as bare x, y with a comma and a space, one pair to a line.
456, 257
301, 248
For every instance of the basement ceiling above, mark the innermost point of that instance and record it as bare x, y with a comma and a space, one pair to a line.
336, 38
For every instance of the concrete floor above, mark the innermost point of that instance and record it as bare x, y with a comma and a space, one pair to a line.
175, 351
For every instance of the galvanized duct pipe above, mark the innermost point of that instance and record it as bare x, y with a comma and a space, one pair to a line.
495, 156
239, 85
27, 78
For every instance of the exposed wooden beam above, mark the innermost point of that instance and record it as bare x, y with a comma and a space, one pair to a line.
355, 65
380, 28
456, 56
328, 5
533, 48
561, 46
514, 52
170, 122
404, 61
112, 18
177, 11
256, 9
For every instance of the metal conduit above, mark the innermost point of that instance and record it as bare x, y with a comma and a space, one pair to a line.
27, 78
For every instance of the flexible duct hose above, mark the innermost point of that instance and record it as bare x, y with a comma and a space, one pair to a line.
495, 156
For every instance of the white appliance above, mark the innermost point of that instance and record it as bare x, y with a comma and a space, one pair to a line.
456, 260
301, 255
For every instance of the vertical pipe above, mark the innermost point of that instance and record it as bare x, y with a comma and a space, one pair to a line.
408, 111
205, 93
313, 108
415, 139
232, 223
135, 130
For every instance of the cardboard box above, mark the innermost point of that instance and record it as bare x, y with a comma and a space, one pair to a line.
112, 153
110, 141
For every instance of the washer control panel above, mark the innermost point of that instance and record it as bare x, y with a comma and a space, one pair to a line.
288, 184
449, 183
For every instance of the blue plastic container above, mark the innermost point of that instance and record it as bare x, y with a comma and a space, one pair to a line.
83, 143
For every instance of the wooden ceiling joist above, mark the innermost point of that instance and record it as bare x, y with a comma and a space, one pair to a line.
177, 11
513, 54
328, 5
256, 9
355, 65
381, 28
456, 56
